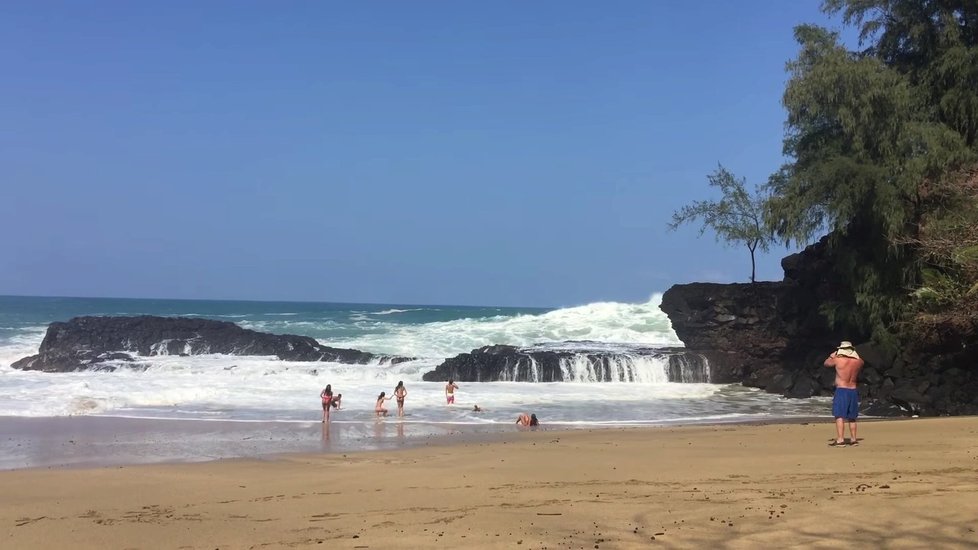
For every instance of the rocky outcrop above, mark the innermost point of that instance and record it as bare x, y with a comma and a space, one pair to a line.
573, 362
764, 335
775, 336
99, 342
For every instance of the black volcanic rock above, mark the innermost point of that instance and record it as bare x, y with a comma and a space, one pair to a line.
766, 335
90, 342
561, 363
775, 336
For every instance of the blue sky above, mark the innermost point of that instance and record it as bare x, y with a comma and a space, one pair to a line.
496, 153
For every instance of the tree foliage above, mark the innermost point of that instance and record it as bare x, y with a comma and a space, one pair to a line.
872, 137
948, 249
736, 218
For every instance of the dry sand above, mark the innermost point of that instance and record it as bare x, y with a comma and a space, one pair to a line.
910, 484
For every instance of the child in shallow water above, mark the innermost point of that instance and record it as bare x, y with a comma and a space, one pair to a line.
527, 419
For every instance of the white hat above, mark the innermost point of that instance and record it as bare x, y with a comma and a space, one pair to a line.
846, 349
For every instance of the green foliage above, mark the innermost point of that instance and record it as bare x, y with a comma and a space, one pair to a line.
861, 141
736, 218
947, 247
933, 43
870, 136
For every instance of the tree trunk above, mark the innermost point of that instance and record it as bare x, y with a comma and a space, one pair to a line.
753, 265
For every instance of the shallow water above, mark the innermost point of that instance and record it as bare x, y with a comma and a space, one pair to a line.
261, 389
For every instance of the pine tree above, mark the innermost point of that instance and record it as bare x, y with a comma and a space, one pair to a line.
872, 135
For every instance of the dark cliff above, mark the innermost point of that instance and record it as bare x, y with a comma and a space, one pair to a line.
93, 342
775, 336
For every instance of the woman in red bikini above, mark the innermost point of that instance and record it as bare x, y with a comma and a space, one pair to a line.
327, 397
450, 388
379, 407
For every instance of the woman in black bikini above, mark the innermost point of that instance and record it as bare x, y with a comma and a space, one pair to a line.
400, 392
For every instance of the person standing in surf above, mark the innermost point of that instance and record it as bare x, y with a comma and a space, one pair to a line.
400, 392
327, 396
450, 388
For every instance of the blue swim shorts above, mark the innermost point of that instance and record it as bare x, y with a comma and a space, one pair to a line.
845, 404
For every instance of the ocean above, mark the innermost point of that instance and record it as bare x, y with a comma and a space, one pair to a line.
219, 388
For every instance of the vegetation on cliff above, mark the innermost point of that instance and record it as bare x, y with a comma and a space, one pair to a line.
737, 218
878, 139
883, 148
945, 312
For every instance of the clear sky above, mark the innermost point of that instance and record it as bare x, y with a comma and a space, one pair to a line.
493, 153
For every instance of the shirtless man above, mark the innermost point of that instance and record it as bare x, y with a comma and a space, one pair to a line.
450, 392
845, 403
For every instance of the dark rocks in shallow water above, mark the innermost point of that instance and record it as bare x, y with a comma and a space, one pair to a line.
91, 342
880, 408
570, 362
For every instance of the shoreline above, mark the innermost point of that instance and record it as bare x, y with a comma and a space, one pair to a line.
80, 442
909, 484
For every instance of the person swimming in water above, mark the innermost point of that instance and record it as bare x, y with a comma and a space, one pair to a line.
527, 419
400, 392
379, 407
327, 396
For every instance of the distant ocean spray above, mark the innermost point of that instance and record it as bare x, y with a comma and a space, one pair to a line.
232, 388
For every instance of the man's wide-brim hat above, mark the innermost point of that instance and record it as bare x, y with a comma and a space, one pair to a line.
846, 349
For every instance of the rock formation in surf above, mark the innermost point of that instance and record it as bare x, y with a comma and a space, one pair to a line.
96, 342
513, 364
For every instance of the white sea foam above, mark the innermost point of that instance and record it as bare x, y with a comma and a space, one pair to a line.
219, 387
608, 322
393, 311
24, 343
261, 388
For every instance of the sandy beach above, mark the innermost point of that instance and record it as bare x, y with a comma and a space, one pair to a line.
909, 484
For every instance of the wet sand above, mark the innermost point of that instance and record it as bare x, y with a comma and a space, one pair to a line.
86, 441
909, 484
